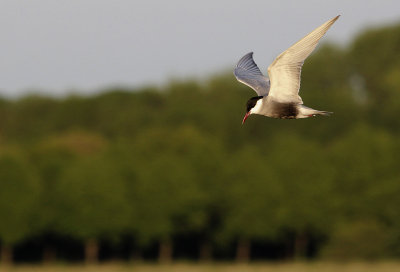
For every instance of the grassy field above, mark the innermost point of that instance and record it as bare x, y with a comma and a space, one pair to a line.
219, 267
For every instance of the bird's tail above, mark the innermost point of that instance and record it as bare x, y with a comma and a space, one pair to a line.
325, 113
305, 112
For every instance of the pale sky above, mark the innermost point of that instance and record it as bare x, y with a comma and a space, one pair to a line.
56, 47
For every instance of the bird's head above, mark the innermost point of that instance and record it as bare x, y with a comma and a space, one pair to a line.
252, 106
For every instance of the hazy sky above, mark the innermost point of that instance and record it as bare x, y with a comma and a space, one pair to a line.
86, 45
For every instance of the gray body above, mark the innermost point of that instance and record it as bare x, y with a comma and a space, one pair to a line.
269, 107
275, 109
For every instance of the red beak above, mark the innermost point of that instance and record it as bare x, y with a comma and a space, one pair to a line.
245, 117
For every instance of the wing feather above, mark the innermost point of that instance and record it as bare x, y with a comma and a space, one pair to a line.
285, 71
248, 73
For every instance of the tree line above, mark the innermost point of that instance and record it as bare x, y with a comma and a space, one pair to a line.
171, 169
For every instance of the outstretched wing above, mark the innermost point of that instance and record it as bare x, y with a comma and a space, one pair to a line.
248, 73
285, 71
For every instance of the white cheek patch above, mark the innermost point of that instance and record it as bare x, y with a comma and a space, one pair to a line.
257, 108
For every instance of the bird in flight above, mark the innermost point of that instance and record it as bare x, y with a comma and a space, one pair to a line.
278, 95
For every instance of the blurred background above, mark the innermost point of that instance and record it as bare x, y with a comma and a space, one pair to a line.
121, 135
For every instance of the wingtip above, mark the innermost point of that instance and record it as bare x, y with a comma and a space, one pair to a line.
245, 57
333, 20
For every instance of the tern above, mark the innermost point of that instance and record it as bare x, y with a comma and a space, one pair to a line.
278, 95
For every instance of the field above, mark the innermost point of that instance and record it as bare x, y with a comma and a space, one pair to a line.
187, 267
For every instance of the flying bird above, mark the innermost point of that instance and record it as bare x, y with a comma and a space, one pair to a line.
278, 95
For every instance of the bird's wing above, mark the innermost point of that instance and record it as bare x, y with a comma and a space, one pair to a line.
247, 72
285, 71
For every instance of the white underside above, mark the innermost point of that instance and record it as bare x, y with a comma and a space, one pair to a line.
305, 112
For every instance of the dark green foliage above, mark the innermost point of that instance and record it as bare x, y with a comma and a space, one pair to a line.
367, 240
19, 193
155, 164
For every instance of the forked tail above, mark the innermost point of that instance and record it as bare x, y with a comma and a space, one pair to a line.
325, 113
305, 112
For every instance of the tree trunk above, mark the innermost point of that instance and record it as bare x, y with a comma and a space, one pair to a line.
289, 250
49, 255
205, 251
300, 246
165, 251
6, 255
91, 251
136, 255
243, 251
